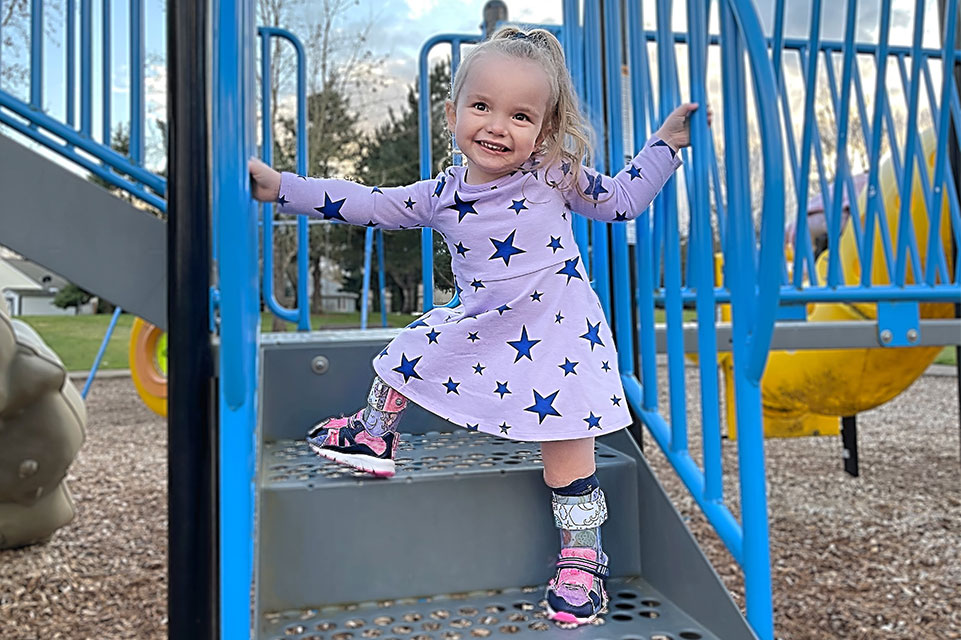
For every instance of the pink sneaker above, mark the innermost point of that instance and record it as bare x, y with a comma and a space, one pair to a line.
345, 441
576, 595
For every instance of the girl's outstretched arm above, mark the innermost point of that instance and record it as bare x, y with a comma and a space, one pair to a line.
631, 191
342, 200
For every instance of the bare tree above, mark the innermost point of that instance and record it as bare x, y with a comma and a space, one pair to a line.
341, 67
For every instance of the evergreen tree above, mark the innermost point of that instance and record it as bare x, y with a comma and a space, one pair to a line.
389, 157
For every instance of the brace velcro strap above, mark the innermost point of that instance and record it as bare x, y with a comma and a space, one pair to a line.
580, 512
383, 397
588, 566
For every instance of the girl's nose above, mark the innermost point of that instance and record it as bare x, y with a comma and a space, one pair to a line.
496, 125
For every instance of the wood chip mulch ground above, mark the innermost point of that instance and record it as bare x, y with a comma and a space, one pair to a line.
855, 558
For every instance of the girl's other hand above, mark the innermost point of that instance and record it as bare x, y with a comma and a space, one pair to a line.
264, 181
676, 129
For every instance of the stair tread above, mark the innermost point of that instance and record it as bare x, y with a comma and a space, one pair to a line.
289, 464
636, 610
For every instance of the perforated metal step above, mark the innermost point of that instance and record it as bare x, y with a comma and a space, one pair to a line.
291, 462
465, 511
636, 612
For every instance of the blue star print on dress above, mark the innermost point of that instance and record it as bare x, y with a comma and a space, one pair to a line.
527, 354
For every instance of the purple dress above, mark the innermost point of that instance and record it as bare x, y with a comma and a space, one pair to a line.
527, 354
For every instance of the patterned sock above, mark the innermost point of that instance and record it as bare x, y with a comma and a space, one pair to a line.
384, 409
584, 500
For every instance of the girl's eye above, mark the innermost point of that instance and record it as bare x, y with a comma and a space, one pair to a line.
480, 106
523, 117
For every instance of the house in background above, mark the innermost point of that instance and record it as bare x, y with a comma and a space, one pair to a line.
29, 289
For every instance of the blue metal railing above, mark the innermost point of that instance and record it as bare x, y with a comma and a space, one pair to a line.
300, 315
34, 117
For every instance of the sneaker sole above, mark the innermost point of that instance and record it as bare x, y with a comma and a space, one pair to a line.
375, 466
567, 620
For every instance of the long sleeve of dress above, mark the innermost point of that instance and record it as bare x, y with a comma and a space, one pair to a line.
344, 201
631, 191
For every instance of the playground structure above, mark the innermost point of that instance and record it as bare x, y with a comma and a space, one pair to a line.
261, 409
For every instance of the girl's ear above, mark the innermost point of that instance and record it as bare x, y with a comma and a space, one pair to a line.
451, 112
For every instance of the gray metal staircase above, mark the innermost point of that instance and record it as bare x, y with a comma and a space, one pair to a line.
80, 230
343, 556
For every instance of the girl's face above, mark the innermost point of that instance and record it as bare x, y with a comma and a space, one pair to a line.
498, 120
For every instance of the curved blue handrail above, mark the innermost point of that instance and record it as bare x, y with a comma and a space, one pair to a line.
301, 313
455, 40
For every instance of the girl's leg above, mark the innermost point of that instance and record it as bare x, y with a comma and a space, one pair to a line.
366, 440
576, 594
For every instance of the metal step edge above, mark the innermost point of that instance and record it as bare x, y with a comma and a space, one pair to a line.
636, 611
291, 465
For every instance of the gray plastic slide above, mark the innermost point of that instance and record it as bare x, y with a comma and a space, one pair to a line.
42, 420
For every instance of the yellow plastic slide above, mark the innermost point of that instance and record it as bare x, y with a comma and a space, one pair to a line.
803, 392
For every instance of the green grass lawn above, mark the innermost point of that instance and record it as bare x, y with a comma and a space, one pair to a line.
77, 338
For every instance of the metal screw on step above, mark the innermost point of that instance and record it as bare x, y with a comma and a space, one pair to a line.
887, 336
320, 365
912, 335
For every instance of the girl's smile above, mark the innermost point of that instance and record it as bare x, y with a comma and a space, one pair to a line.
499, 116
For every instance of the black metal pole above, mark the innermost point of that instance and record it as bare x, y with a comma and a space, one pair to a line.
849, 438
193, 597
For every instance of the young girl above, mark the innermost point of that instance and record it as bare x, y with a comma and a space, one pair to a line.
527, 353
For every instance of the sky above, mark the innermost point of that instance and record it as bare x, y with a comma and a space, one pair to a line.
400, 27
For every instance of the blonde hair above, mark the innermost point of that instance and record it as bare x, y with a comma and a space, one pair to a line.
567, 136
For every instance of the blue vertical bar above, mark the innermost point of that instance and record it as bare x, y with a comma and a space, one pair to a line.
106, 72
573, 40
594, 72
426, 166
752, 342
875, 203
365, 287
136, 81
904, 217
805, 259
70, 60
36, 54
381, 277
672, 239
86, 67
303, 233
941, 165
623, 309
841, 172
267, 155
701, 252
232, 142
640, 79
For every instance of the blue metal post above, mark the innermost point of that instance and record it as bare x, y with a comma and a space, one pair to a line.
86, 68
36, 54
381, 278
365, 288
103, 348
236, 227
666, 209
137, 58
700, 253
70, 59
106, 71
